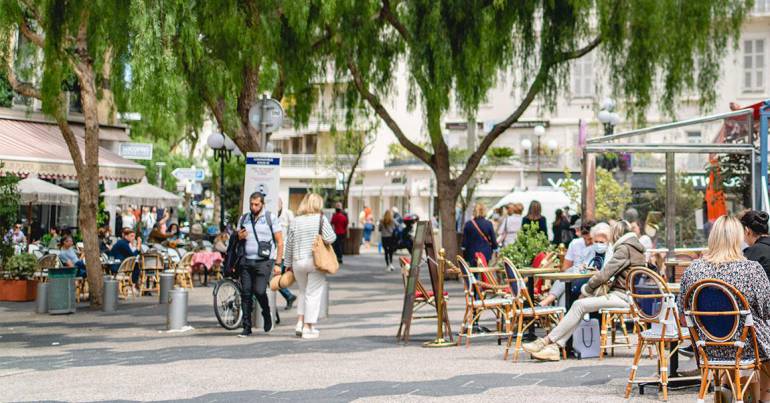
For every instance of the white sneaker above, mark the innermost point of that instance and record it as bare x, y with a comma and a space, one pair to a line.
535, 346
298, 329
310, 333
548, 353
390, 268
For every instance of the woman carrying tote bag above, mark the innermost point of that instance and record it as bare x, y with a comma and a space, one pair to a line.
299, 259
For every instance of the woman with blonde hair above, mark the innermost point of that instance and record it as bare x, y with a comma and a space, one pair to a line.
387, 228
724, 261
478, 236
308, 223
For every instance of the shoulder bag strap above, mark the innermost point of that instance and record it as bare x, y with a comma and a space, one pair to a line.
270, 224
320, 223
473, 221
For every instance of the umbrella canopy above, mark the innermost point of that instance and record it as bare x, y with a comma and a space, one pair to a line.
37, 191
141, 194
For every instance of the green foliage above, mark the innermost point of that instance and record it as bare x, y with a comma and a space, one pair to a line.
163, 153
6, 93
611, 197
235, 172
688, 199
9, 211
735, 169
529, 242
20, 267
572, 189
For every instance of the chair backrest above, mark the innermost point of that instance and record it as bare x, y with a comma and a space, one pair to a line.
152, 261
469, 280
127, 266
518, 286
719, 315
652, 301
481, 260
49, 261
186, 260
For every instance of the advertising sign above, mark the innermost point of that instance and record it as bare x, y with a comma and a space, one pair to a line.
135, 151
263, 174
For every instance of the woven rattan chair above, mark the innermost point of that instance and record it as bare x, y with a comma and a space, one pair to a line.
476, 303
123, 276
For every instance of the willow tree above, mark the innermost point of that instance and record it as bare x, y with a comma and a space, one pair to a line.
80, 39
458, 49
219, 57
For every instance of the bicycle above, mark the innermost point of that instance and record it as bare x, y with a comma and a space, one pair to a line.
227, 304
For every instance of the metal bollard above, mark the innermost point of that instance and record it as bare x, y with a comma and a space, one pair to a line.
166, 284
325, 302
256, 315
110, 294
42, 298
176, 317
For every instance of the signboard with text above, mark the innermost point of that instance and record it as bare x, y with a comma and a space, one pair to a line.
135, 151
263, 172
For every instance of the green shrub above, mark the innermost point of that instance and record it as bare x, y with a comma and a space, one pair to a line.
529, 242
21, 267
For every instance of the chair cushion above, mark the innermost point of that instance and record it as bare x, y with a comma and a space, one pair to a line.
544, 310
419, 295
615, 310
671, 333
493, 302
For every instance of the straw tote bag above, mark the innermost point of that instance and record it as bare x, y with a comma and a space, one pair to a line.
323, 255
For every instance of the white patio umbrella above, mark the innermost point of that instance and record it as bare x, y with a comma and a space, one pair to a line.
141, 194
37, 191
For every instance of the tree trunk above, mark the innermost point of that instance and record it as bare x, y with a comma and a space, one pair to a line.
447, 199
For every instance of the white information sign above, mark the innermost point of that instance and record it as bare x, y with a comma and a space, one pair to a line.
263, 174
135, 151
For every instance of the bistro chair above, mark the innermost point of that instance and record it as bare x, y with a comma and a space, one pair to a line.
611, 317
719, 316
123, 276
476, 302
654, 306
525, 309
151, 266
422, 297
183, 271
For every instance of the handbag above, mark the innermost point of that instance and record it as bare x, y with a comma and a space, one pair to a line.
324, 258
284, 280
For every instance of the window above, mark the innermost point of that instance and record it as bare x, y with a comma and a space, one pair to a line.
761, 6
296, 145
753, 65
310, 143
583, 77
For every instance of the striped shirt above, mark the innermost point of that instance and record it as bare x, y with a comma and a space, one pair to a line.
302, 232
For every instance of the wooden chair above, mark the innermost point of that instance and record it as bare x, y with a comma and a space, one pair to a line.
718, 315
422, 297
655, 306
610, 318
476, 302
151, 266
525, 309
46, 262
183, 271
123, 276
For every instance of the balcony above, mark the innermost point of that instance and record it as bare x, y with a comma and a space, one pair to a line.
312, 160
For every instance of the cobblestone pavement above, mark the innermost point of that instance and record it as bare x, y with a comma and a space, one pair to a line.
128, 355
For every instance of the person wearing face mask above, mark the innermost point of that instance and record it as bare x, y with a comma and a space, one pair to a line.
594, 255
755, 233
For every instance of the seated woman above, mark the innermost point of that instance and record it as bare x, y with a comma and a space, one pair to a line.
128, 245
724, 261
755, 233
69, 256
156, 235
593, 256
626, 252
104, 239
173, 234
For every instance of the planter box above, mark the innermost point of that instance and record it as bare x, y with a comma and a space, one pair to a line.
18, 290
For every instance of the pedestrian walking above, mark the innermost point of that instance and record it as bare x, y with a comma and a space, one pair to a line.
261, 232
534, 215
387, 229
478, 236
367, 223
287, 217
340, 224
299, 258
129, 220
510, 227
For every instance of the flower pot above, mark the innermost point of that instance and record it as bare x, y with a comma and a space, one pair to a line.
18, 290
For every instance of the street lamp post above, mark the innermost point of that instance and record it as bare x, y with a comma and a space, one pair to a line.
223, 148
608, 116
539, 133
160, 165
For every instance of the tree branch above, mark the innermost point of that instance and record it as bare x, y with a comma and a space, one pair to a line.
534, 89
25, 89
280, 85
31, 35
374, 102
386, 12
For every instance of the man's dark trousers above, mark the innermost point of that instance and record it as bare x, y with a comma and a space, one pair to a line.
338, 246
255, 275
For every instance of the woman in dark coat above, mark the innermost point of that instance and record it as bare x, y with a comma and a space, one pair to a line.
534, 215
478, 236
755, 233
561, 229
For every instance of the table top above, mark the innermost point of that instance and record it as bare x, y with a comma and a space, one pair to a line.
484, 269
566, 276
531, 271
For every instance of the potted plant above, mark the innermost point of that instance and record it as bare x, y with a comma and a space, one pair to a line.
16, 284
529, 242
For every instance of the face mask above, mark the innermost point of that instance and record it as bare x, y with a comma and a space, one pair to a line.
600, 248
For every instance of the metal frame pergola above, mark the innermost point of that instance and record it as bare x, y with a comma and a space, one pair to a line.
609, 144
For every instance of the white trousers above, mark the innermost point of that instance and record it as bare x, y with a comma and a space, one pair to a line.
563, 331
311, 284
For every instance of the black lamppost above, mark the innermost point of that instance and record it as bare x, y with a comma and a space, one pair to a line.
223, 149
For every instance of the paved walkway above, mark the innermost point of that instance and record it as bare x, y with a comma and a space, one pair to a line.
94, 356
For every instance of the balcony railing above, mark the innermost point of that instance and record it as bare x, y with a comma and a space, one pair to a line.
313, 160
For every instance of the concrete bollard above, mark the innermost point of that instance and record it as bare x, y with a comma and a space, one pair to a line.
325, 302
256, 315
176, 317
166, 284
110, 294
42, 298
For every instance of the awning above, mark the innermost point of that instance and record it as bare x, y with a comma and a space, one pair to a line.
39, 148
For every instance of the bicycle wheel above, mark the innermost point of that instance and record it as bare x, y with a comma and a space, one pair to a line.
227, 304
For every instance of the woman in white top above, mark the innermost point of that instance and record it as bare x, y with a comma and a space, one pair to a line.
299, 259
509, 228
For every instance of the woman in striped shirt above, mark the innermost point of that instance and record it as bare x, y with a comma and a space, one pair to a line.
299, 259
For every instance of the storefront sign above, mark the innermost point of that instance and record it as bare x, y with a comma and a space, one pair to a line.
135, 151
262, 175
